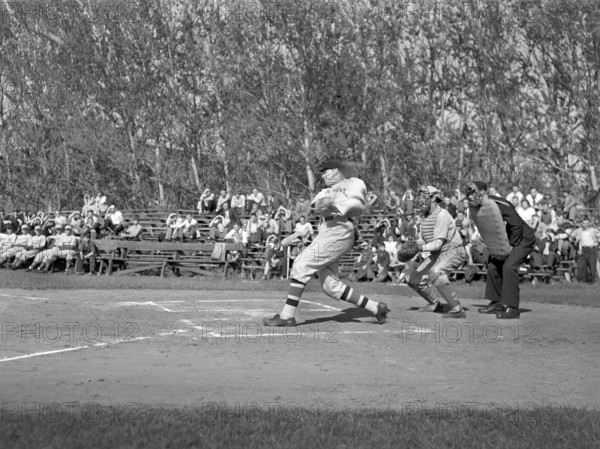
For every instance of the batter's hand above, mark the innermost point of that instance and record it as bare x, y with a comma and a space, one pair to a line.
324, 206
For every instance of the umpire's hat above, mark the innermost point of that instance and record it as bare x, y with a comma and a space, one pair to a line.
330, 163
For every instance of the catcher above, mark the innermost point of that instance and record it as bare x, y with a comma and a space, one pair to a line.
342, 198
440, 238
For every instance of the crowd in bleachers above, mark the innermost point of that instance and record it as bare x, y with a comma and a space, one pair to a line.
279, 229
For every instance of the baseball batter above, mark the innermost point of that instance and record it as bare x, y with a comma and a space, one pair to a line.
343, 197
440, 238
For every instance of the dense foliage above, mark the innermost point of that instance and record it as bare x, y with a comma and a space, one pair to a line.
150, 101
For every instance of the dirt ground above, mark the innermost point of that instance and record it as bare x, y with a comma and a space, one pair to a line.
184, 348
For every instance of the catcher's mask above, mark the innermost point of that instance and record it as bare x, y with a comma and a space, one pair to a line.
424, 196
475, 193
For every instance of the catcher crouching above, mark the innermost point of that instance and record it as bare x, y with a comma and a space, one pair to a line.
440, 238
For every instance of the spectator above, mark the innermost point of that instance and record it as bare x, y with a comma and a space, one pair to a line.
238, 203
230, 216
515, 202
237, 234
206, 204
527, 213
222, 199
60, 219
407, 202
284, 220
381, 233
569, 205
217, 229
134, 230
393, 202
92, 223
88, 204
391, 246
364, 265
174, 226
545, 252
463, 225
274, 201
275, 259
87, 253
407, 229
493, 192
534, 197
113, 220
270, 226
586, 239
254, 231
516, 193
302, 208
449, 206
257, 210
190, 227
255, 198
371, 201
304, 228
547, 216
100, 204
382, 263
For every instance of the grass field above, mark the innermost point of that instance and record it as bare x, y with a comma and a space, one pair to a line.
180, 374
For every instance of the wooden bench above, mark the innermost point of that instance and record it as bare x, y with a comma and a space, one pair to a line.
138, 256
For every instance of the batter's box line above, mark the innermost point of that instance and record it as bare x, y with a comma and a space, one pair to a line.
95, 345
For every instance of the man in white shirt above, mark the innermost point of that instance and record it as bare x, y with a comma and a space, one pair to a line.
534, 198
238, 234
586, 239
114, 220
527, 213
515, 193
256, 198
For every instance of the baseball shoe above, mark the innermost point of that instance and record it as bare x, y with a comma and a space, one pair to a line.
458, 314
382, 311
510, 313
279, 322
493, 307
434, 307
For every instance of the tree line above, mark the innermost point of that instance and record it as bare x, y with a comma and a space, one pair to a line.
151, 101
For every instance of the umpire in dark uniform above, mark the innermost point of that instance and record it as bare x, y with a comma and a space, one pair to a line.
509, 240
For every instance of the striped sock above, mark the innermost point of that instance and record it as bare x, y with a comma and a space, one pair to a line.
293, 299
353, 297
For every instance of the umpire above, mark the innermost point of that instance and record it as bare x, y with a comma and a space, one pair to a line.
509, 240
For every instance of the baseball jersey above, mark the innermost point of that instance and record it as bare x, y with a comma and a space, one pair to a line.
23, 239
38, 241
440, 225
348, 197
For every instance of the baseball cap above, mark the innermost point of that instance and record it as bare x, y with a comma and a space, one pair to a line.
38, 228
431, 190
25, 226
59, 226
330, 163
68, 227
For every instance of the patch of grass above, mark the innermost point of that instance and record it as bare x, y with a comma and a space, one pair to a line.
290, 427
559, 293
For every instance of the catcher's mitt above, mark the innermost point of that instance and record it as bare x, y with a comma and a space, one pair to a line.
407, 251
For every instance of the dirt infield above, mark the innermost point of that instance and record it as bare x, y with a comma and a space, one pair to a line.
191, 348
